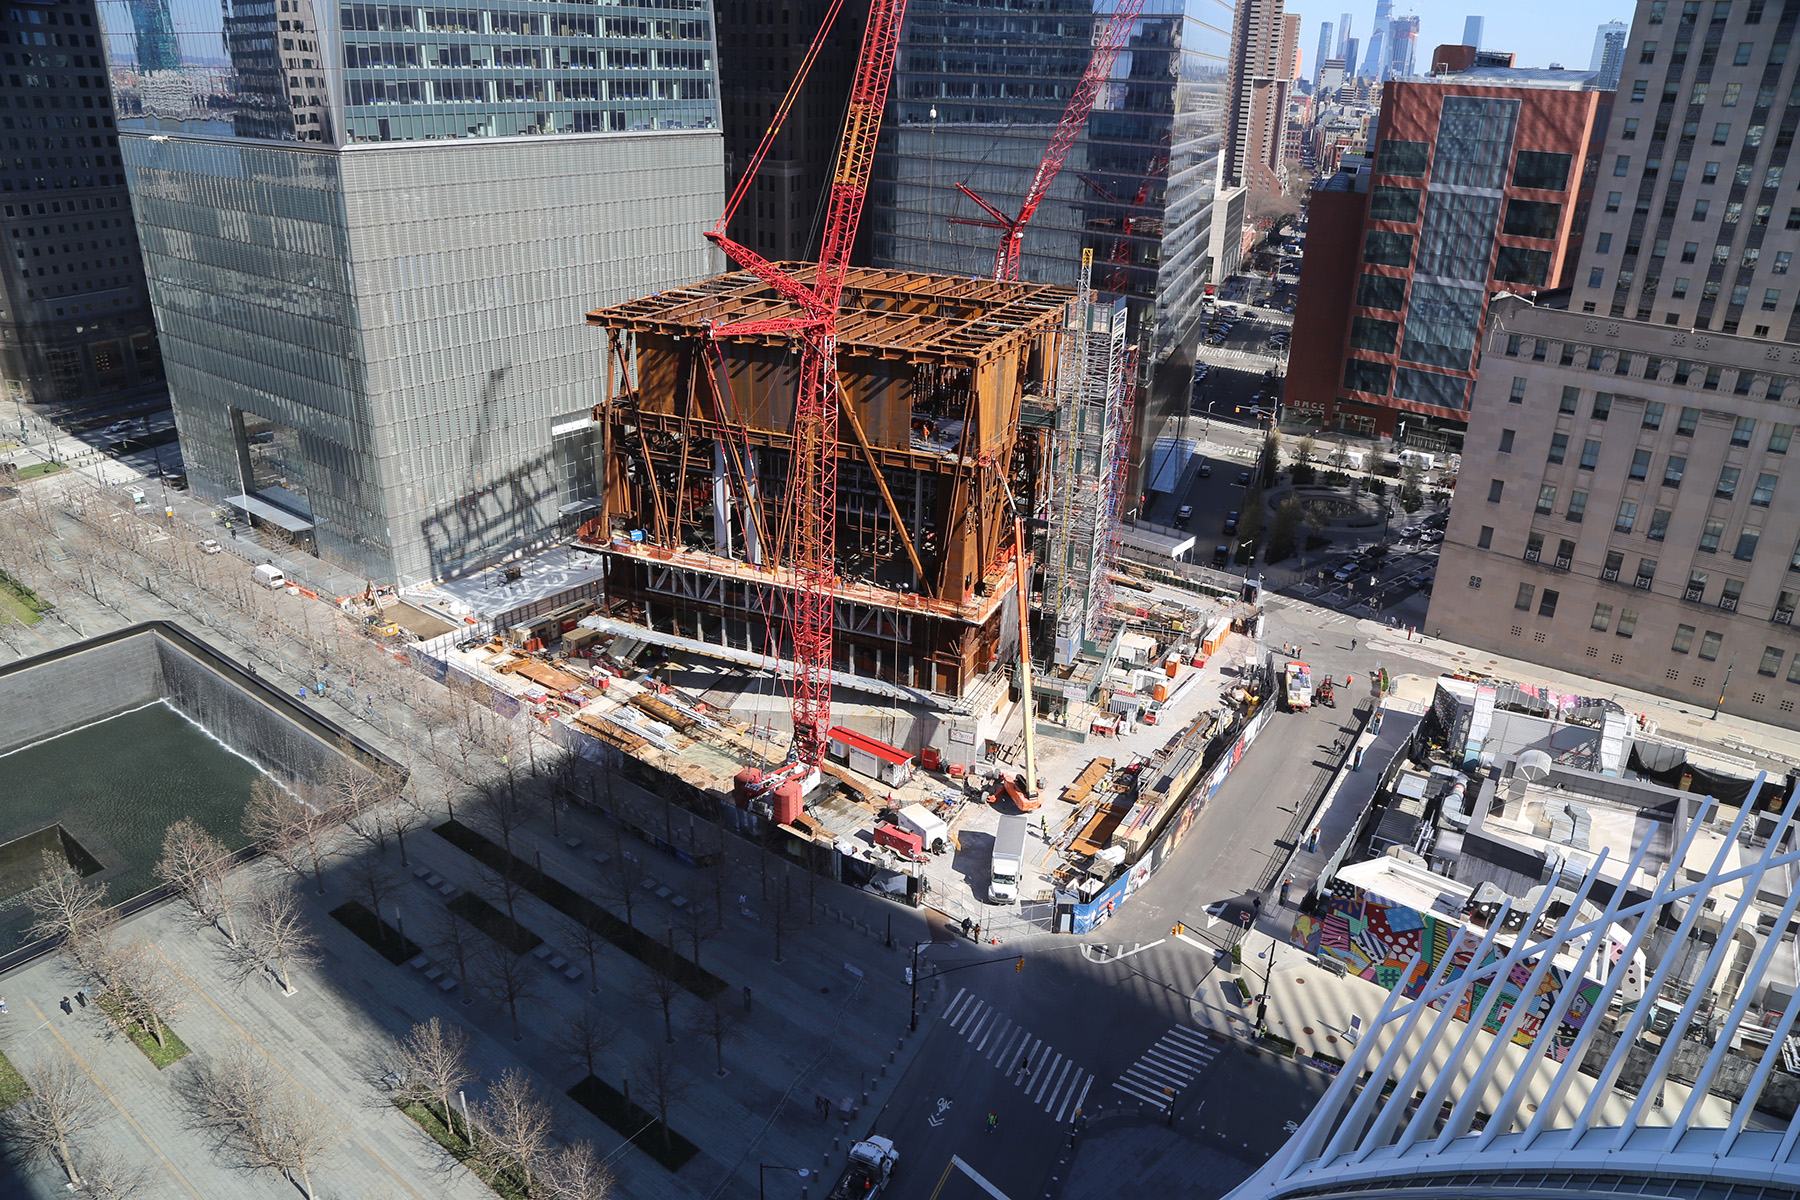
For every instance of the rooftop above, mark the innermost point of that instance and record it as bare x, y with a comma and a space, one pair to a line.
1517, 77
945, 319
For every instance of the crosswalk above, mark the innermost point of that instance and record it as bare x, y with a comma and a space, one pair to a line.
1162, 1071
1049, 1079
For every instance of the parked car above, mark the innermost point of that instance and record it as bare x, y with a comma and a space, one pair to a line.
1346, 572
1183, 515
1243, 479
210, 546
1206, 470
1221, 555
1231, 522
1432, 537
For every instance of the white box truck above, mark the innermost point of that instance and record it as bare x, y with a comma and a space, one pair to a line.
928, 825
1008, 861
271, 576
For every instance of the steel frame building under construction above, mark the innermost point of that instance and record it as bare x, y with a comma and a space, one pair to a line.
949, 402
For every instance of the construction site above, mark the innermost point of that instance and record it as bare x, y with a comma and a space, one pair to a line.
856, 571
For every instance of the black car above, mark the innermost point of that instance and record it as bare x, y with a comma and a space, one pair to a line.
1221, 555
1231, 522
1243, 479
1206, 470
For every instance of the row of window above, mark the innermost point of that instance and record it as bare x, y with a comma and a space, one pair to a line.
1625, 364
1625, 520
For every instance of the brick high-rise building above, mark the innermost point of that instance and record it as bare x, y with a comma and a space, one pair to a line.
1623, 507
1265, 41
1477, 187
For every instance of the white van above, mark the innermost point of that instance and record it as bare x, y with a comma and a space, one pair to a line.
1352, 459
1418, 458
271, 576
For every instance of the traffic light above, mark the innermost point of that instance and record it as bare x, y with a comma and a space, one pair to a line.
1020, 965
1177, 929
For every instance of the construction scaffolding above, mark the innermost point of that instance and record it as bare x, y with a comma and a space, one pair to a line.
1093, 437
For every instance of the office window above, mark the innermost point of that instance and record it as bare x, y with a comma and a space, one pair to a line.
1398, 157
1534, 547
1546, 501
1794, 559
1746, 545
1513, 341
1711, 381
1771, 298
1495, 487
1485, 539
1690, 421
1506, 441
1726, 488
1742, 431
1630, 131
1709, 645
1590, 454
1711, 534
1793, 675
1565, 552
1532, 218
1684, 639
1730, 594
1602, 617
1614, 561
1570, 396
1361, 376
1679, 290
1559, 446
1673, 470
1700, 210
1764, 492
1372, 333
1541, 170
1647, 52
1522, 601
1547, 603
1627, 516
1742, 57
1602, 400
1381, 291
1389, 203
1646, 572
1603, 244
1721, 133
1568, 355
1782, 259
1628, 619
1710, 174
1640, 464
1385, 249
1539, 347
1613, 198
1659, 525
1653, 415
1622, 165
1771, 661
1596, 276
1518, 389
1577, 506
1779, 438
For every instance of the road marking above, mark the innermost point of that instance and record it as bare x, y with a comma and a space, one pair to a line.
1099, 954
1063, 1080
1195, 942
1162, 1071
958, 1164
985, 1018
990, 1033
1078, 1099
1051, 1070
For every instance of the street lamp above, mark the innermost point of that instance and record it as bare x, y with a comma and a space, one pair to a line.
764, 1168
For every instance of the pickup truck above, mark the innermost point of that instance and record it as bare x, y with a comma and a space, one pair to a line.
866, 1174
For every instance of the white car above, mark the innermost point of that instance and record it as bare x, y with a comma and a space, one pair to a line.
210, 546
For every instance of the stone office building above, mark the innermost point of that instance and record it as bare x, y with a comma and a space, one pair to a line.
1627, 509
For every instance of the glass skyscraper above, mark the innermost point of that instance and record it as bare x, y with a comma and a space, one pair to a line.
372, 232
979, 86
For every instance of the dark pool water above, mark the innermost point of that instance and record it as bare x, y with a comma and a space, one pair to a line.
116, 786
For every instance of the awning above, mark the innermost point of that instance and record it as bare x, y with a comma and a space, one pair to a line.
853, 740
257, 507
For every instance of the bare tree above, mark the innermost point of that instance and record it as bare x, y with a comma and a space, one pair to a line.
721, 871
588, 942
720, 1022
195, 864
108, 1175
46, 1125
506, 885
506, 979
280, 937
458, 941
264, 1122
362, 793
577, 1173
517, 1121
406, 813
697, 926
623, 876
657, 1072
372, 882
502, 809
64, 905
144, 987
585, 1036
659, 990
434, 1062
300, 835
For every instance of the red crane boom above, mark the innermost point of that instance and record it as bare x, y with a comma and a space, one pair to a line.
1106, 49
812, 464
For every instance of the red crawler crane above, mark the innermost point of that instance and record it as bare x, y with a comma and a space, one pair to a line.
1006, 259
812, 466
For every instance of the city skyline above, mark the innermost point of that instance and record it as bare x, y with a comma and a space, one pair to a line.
1538, 32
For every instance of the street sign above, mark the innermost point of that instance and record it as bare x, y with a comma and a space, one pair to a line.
1245, 918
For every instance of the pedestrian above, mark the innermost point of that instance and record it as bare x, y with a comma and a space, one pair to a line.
66, 1006
1312, 840
1285, 884
978, 931
81, 997
1025, 1068
966, 925
1353, 643
2, 1004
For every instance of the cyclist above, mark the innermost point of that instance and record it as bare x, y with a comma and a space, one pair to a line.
993, 1122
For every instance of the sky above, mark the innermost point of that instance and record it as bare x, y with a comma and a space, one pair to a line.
1540, 32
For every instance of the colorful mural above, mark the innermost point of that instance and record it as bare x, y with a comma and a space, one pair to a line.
1374, 938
